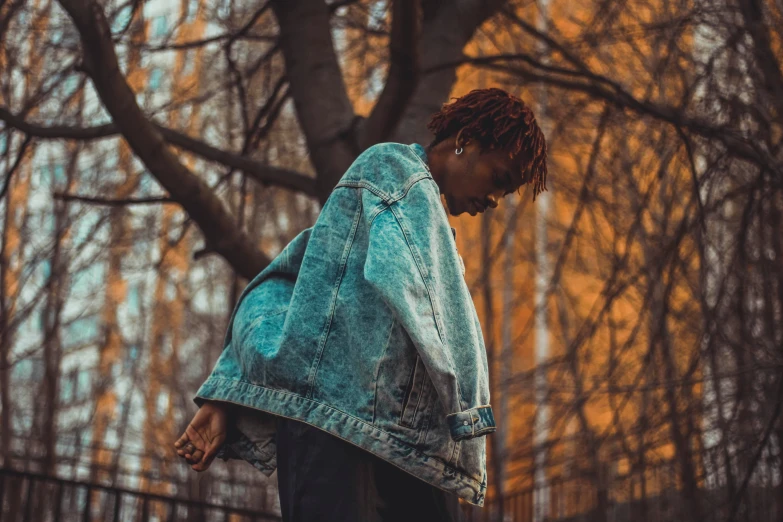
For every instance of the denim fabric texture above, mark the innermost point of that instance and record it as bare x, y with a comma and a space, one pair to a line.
363, 326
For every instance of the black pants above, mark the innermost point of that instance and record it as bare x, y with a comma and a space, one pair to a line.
326, 479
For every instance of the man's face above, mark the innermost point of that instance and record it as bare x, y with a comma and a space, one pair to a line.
473, 181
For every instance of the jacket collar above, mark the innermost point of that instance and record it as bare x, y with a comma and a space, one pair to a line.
419, 149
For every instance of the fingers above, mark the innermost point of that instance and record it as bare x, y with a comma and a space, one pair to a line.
196, 445
185, 446
187, 450
206, 459
182, 440
195, 457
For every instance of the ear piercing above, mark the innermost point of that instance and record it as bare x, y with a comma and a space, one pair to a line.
458, 151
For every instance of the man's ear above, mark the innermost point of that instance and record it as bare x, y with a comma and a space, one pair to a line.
459, 141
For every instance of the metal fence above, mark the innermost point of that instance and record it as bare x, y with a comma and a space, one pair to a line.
657, 496
31, 497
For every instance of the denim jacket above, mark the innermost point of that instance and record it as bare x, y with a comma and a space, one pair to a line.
364, 327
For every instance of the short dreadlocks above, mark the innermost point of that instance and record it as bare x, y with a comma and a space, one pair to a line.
496, 120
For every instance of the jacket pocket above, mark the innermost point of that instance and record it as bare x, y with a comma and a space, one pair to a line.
414, 400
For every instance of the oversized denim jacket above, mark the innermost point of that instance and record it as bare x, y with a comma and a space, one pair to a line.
363, 326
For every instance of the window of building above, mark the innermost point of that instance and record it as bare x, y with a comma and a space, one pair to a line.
56, 35
134, 299
121, 19
23, 370
67, 387
374, 84
111, 160
224, 9
31, 368
159, 26
191, 7
81, 331
85, 438
131, 355
146, 183
377, 15
59, 173
71, 84
83, 385
51, 175
48, 223
46, 268
85, 227
86, 280
156, 79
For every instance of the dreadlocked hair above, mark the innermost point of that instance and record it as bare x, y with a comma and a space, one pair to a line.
496, 120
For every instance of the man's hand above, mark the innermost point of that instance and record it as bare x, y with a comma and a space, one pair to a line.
204, 435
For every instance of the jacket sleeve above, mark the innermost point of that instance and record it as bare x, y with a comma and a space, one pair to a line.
413, 265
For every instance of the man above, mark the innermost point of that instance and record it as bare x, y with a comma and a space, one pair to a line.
355, 363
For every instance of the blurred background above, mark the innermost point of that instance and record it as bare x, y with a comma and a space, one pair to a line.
155, 155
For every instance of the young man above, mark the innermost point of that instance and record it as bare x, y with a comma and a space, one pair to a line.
354, 364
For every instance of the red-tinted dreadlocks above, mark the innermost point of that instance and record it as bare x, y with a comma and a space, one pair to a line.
496, 120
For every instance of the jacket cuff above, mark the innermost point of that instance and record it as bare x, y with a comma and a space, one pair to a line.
471, 423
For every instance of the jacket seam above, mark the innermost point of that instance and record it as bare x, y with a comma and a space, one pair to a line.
378, 368
409, 385
428, 419
325, 405
327, 326
377, 211
421, 389
387, 198
415, 178
363, 185
438, 326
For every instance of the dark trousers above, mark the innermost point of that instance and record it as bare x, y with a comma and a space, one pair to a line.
326, 479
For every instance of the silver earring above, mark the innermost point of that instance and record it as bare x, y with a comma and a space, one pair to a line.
458, 151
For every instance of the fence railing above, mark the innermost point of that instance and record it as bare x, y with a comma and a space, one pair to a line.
656, 497
31, 497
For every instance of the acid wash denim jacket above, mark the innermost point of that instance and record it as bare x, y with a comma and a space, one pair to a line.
363, 326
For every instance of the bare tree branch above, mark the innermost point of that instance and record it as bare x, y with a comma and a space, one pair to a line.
14, 167
204, 207
447, 28
402, 77
322, 106
605, 89
265, 174
112, 202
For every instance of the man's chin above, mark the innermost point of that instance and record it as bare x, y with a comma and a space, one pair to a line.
456, 212
445, 200
449, 208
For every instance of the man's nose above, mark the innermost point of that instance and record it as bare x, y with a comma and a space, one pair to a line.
492, 201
